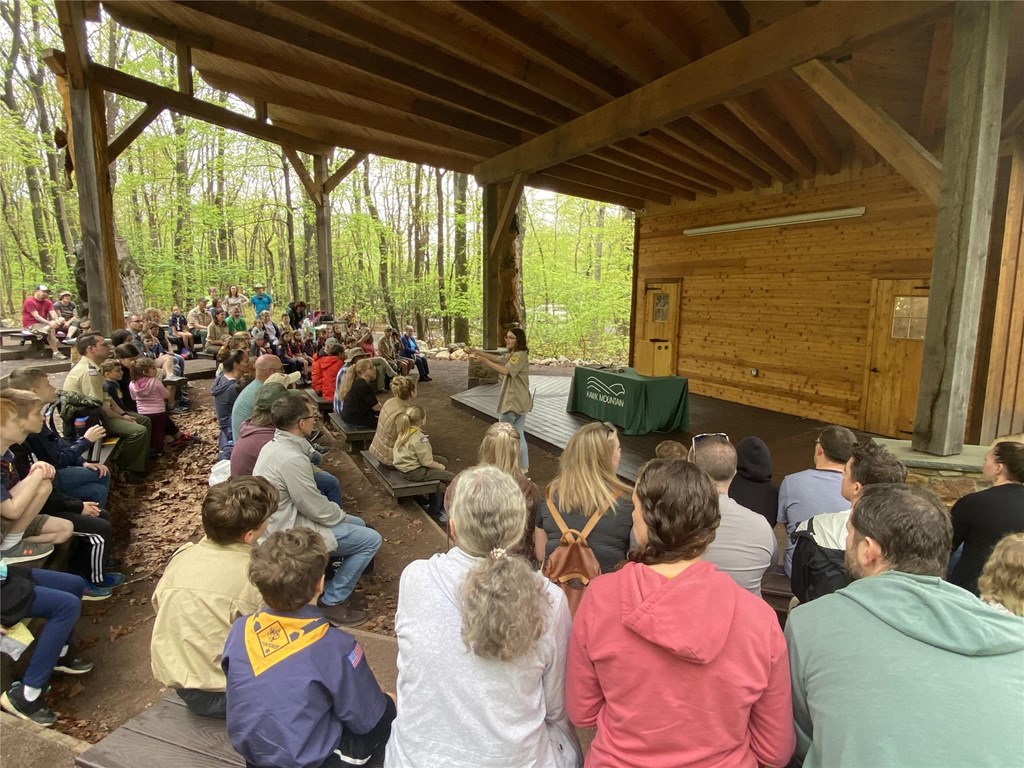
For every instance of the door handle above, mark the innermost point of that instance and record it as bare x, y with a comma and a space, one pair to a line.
875, 370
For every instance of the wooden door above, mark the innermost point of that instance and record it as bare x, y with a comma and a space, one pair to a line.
661, 310
895, 348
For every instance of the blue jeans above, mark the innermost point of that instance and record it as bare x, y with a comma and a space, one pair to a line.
329, 486
518, 420
58, 599
83, 483
357, 544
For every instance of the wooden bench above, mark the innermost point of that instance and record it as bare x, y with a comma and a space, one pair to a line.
36, 346
10, 333
356, 440
168, 734
777, 592
325, 405
396, 483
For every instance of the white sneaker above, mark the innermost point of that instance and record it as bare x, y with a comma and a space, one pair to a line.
59, 356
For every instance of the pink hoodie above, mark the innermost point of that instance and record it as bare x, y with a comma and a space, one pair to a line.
686, 671
149, 394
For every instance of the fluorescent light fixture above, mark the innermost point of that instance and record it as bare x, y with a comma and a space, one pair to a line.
777, 221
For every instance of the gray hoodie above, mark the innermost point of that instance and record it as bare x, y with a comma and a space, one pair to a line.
458, 710
905, 670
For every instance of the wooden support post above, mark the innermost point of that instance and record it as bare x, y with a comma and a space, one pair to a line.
490, 268
322, 204
977, 75
1003, 404
92, 172
184, 56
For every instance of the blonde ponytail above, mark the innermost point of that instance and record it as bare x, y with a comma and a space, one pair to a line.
406, 422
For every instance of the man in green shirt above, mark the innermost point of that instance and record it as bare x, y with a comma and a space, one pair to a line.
236, 322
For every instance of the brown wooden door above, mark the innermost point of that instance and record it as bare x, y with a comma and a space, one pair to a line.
661, 310
895, 349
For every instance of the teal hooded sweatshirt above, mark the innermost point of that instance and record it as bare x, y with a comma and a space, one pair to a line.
902, 670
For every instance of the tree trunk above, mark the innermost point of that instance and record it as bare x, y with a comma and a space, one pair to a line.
308, 232
382, 239
219, 198
293, 270
599, 244
461, 324
419, 250
182, 249
442, 299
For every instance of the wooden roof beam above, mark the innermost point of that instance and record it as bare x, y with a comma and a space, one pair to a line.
671, 179
629, 173
701, 141
183, 55
915, 163
167, 98
71, 18
825, 29
571, 172
626, 151
290, 66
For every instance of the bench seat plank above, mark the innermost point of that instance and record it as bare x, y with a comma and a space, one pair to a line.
165, 734
356, 440
395, 482
325, 405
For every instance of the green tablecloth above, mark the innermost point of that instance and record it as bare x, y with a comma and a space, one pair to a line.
638, 404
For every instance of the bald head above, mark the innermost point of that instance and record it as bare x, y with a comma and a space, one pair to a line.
266, 365
716, 456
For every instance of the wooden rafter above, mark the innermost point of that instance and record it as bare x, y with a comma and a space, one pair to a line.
724, 124
133, 130
571, 172
327, 77
707, 144
372, 62
396, 123
899, 148
183, 56
821, 30
563, 187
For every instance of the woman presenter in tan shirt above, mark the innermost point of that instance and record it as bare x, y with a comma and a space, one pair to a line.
514, 401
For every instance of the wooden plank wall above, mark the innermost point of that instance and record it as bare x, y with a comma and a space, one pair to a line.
792, 302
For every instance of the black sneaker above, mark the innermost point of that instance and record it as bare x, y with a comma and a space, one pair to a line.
14, 702
73, 666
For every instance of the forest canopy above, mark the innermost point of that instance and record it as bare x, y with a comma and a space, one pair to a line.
198, 206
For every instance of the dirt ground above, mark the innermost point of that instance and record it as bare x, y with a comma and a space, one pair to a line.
151, 520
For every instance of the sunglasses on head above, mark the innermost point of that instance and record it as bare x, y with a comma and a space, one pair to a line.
704, 435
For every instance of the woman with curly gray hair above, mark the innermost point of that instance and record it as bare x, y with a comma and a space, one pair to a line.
481, 645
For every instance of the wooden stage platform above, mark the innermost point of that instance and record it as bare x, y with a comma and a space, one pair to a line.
549, 426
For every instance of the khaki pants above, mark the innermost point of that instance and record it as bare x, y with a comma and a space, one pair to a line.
132, 448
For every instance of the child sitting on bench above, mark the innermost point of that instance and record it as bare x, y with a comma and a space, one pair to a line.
300, 692
205, 588
415, 459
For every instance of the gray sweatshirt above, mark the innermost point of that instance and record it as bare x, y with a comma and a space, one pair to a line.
459, 710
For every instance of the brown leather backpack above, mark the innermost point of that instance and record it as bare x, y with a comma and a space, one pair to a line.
572, 565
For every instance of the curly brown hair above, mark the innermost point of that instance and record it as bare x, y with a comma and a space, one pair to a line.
679, 505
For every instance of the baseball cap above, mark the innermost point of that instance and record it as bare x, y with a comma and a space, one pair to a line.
269, 393
44, 288
354, 354
285, 379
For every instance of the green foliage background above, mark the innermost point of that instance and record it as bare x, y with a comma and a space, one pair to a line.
201, 207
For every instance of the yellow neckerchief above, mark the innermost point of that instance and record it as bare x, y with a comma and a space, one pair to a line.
270, 639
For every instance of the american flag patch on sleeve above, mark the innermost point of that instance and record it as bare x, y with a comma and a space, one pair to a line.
355, 656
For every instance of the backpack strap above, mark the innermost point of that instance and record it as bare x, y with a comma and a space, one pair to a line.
563, 528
